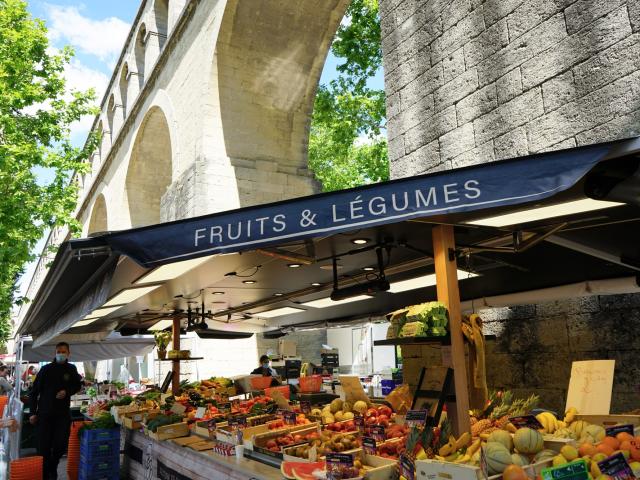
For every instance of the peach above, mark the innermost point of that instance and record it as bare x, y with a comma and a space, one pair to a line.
612, 442
606, 449
624, 436
587, 449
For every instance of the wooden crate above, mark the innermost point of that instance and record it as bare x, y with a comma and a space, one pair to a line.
200, 428
133, 420
225, 434
611, 420
437, 470
167, 432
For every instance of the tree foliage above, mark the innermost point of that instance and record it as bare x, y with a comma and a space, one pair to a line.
347, 147
36, 112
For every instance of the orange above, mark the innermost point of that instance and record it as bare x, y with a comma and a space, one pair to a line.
587, 449
612, 442
606, 449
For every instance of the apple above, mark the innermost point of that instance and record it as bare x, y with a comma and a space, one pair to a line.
371, 412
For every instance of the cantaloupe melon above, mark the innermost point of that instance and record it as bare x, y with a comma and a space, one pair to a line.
498, 457
503, 437
519, 459
529, 441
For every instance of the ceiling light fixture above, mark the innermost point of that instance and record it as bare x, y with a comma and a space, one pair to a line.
82, 323
360, 241
424, 281
171, 270
218, 293
368, 269
316, 284
278, 294
294, 265
161, 325
129, 295
102, 312
278, 312
541, 213
249, 282
327, 302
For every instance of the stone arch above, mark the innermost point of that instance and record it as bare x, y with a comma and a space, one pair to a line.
98, 221
123, 83
138, 53
269, 58
161, 18
150, 169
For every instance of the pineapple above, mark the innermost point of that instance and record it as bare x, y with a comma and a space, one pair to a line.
480, 427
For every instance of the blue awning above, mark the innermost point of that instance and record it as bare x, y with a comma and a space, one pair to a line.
480, 187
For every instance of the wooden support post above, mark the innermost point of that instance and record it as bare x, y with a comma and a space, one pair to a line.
175, 365
449, 294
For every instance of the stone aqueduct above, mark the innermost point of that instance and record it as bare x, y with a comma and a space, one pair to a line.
208, 109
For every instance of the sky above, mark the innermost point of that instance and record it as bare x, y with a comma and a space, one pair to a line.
97, 30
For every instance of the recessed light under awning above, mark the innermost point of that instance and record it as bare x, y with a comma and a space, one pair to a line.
130, 295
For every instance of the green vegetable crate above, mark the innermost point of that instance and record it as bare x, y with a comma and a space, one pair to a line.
156, 428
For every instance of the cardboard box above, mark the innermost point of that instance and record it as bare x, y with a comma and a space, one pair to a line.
286, 348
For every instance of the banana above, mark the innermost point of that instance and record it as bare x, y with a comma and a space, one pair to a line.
440, 458
463, 459
510, 427
474, 447
463, 441
452, 458
448, 448
570, 415
484, 436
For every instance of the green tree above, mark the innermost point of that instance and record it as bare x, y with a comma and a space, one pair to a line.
346, 111
36, 112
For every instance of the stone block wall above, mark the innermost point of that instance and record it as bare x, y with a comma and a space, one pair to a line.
535, 345
472, 81
308, 343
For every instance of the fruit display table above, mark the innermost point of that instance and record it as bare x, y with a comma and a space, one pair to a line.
146, 459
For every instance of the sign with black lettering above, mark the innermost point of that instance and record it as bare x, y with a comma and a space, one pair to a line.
616, 467
616, 429
419, 196
526, 421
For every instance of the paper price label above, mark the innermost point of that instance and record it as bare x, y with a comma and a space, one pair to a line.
200, 412
616, 429
305, 407
377, 432
359, 423
211, 425
616, 467
369, 445
573, 471
407, 467
338, 466
289, 418
526, 421
416, 418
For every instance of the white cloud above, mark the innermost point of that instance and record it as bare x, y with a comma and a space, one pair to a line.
81, 78
103, 39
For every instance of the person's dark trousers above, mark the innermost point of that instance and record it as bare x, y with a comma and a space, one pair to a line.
53, 438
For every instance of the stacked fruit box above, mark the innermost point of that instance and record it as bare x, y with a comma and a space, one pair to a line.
99, 455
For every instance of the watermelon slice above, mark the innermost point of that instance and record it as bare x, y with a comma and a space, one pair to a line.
309, 471
287, 468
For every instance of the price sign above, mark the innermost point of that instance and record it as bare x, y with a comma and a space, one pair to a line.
572, 471
289, 418
377, 432
369, 445
616, 467
200, 411
407, 467
305, 407
526, 421
359, 423
337, 465
616, 429
416, 418
238, 423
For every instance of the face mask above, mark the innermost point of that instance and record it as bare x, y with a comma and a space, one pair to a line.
61, 357
265, 365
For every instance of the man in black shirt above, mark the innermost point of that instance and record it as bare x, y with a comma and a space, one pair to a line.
50, 400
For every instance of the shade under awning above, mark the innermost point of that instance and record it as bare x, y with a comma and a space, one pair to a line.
485, 186
114, 346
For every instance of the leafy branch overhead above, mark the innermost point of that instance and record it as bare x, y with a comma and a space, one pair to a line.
36, 112
347, 145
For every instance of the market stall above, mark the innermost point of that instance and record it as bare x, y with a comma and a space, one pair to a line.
570, 217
